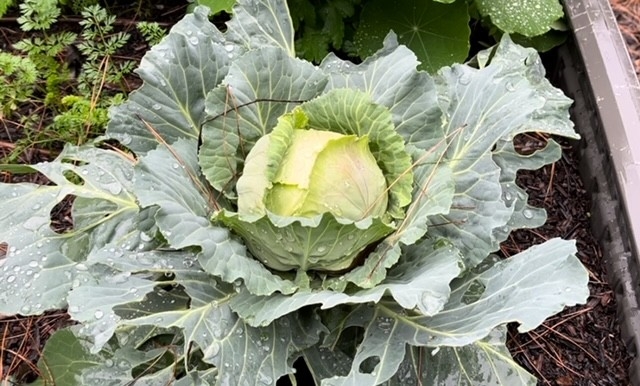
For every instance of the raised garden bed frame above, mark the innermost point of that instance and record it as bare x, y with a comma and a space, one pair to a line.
595, 70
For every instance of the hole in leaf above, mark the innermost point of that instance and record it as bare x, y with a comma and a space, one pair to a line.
302, 375
529, 143
368, 365
73, 162
473, 293
60, 215
117, 146
73, 177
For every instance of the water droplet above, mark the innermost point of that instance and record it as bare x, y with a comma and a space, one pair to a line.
175, 165
125, 139
98, 314
25, 309
36, 207
212, 350
431, 302
35, 223
33, 264
229, 47
265, 379
527, 213
321, 249
194, 40
81, 267
510, 86
11, 279
108, 363
156, 106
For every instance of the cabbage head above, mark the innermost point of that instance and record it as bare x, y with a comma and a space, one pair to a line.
248, 209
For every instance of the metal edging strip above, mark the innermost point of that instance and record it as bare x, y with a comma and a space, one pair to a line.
607, 114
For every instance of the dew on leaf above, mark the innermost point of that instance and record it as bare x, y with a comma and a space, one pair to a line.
212, 350
81, 267
98, 314
527, 213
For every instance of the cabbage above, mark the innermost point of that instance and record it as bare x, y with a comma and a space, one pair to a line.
271, 210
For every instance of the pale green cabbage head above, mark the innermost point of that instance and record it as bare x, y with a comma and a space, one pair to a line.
314, 193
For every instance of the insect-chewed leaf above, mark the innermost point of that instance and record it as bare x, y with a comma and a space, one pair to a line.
419, 281
486, 362
177, 73
259, 23
526, 288
41, 264
482, 107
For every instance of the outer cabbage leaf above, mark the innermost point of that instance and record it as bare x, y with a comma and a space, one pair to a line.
510, 161
41, 265
241, 353
66, 360
119, 283
118, 369
391, 79
486, 362
432, 194
247, 105
177, 73
527, 288
258, 23
63, 360
484, 106
419, 281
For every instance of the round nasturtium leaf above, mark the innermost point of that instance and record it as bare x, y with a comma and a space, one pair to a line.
525, 17
437, 33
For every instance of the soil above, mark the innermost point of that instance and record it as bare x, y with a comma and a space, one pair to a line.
580, 346
628, 16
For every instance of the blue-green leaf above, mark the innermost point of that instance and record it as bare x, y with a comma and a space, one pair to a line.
526, 288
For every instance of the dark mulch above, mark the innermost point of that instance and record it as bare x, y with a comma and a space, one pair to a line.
628, 16
580, 346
